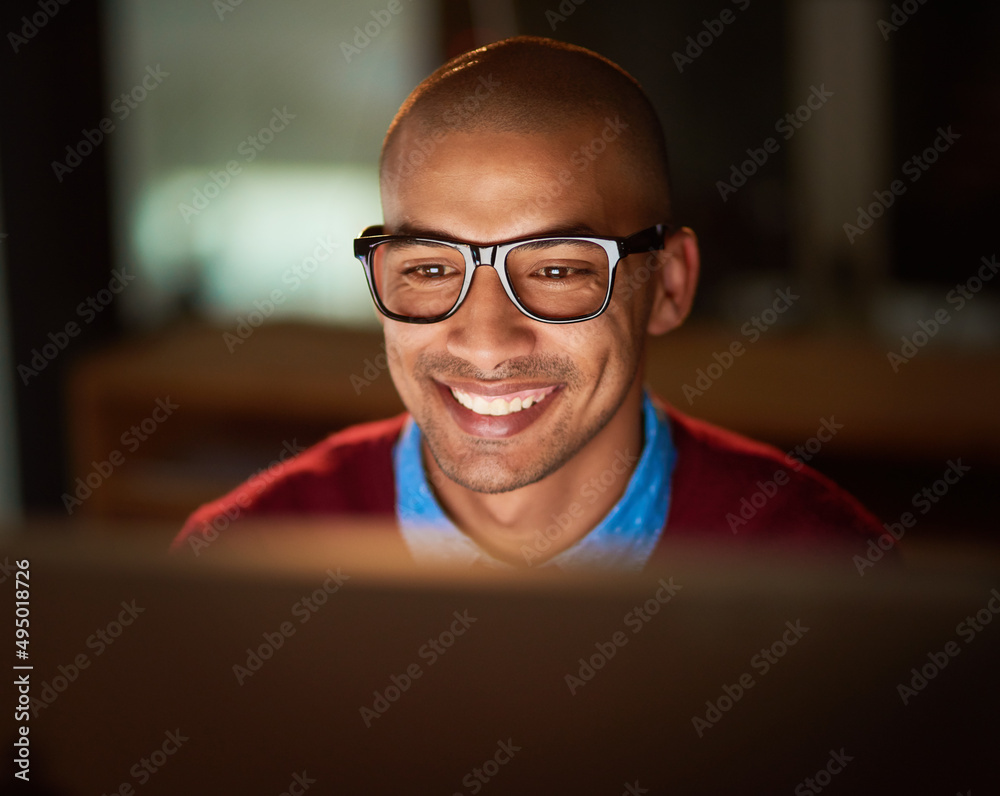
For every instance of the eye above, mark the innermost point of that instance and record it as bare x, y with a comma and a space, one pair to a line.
560, 273
428, 270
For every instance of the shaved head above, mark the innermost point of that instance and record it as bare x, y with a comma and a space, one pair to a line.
534, 86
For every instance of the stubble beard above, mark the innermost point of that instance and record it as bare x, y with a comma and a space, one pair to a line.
484, 465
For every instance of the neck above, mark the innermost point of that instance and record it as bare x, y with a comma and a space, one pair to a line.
530, 525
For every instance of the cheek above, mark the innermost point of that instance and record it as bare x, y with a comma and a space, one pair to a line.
406, 344
601, 347
625, 321
401, 347
621, 340
634, 293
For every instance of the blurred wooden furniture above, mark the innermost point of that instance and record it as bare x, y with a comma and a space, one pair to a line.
240, 407
288, 385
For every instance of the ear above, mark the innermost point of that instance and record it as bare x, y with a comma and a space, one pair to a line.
675, 282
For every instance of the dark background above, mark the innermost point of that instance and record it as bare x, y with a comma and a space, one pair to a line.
942, 71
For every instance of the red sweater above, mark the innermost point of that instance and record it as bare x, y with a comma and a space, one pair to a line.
724, 488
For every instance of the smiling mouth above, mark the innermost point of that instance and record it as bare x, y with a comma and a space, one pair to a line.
498, 406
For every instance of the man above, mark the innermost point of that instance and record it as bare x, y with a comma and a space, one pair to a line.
530, 439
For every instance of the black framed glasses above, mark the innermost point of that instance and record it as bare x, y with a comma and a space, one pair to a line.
552, 278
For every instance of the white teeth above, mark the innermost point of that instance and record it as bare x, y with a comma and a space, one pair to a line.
496, 407
480, 406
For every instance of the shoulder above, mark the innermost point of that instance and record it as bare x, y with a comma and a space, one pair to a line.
725, 483
349, 472
363, 449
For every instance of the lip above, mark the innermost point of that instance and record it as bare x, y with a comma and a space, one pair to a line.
496, 426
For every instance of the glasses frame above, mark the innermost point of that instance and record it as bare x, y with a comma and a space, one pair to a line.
490, 254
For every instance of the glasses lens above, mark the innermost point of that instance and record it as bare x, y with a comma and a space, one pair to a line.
417, 279
559, 279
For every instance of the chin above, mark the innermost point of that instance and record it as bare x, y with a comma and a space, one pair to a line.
488, 476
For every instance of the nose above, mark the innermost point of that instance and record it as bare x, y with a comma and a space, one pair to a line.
488, 330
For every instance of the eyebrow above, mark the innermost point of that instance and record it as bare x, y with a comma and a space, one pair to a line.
576, 229
557, 243
402, 244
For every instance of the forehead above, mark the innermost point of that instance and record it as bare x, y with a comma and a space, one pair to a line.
487, 186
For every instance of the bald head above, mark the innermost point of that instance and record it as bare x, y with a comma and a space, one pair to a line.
532, 86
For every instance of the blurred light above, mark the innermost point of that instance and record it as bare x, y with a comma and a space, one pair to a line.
279, 234
294, 98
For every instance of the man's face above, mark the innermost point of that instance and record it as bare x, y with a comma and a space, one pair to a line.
490, 187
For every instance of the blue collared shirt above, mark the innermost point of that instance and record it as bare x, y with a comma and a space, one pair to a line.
624, 539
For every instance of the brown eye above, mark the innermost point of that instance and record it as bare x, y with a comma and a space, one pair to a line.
429, 271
